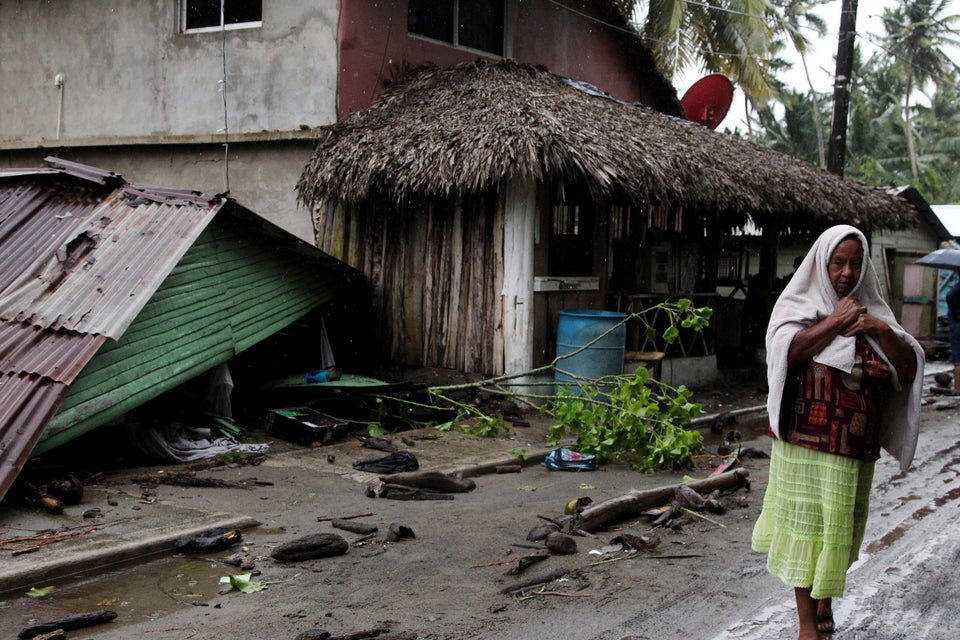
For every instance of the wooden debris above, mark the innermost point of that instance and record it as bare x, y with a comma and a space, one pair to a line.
187, 479
78, 621
309, 547
401, 492
432, 480
29, 544
599, 514
353, 527
209, 541
365, 514
536, 580
522, 563
508, 468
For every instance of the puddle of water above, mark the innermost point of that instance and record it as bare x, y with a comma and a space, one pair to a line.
137, 592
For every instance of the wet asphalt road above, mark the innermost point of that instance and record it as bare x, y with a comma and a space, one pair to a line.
906, 584
903, 588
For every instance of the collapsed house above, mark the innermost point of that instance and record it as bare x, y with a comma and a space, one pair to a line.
112, 293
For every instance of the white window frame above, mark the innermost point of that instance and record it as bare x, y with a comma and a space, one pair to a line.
217, 28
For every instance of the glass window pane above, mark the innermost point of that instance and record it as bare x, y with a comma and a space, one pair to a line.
238, 11
431, 18
203, 13
481, 25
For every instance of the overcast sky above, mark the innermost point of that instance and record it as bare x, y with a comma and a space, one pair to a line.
820, 58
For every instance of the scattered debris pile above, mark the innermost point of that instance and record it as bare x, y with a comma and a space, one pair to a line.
582, 517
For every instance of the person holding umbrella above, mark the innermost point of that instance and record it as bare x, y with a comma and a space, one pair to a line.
949, 259
953, 318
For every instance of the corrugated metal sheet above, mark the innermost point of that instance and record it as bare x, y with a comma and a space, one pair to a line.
230, 291
86, 257
91, 269
26, 404
59, 356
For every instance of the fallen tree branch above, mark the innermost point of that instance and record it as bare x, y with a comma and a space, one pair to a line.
599, 514
532, 582
558, 593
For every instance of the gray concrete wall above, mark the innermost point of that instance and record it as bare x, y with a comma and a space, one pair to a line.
142, 98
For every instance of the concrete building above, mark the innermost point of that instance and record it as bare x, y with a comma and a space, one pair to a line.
174, 94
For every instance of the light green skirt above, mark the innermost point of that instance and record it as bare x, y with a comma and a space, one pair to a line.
813, 518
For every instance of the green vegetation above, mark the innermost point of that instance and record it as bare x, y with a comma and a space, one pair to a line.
641, 421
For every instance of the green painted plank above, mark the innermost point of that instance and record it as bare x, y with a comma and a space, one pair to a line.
231, 290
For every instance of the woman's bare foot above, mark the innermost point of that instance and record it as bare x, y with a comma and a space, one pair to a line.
825, 616
807, 615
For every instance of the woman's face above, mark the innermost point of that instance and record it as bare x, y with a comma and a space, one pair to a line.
845, 265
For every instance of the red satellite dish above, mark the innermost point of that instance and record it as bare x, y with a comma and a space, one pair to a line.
708, 100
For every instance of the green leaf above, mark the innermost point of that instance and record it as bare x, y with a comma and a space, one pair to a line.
242, 582
39, 592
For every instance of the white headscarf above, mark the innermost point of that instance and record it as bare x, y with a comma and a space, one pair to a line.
808, 298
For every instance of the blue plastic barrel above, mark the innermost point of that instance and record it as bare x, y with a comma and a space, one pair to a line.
580, 327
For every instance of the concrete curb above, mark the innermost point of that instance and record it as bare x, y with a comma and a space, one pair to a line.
109, 550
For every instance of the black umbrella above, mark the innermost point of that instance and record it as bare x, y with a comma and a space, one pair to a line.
941, 259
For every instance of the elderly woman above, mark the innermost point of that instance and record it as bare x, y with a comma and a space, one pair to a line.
845, 381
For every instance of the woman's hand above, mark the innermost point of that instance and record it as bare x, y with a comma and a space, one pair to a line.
848, 313
810, 341
867, 324
899, 353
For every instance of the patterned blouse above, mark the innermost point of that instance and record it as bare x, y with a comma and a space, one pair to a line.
837, 412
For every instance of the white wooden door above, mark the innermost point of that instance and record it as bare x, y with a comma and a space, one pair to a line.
517, 294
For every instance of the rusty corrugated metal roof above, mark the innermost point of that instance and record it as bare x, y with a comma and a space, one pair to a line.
81, 252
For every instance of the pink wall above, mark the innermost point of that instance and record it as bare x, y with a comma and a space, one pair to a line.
373, 41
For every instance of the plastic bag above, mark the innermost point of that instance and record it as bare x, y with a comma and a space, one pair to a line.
563, 459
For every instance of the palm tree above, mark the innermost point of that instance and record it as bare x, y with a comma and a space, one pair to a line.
795, 17
723, 36
916, 34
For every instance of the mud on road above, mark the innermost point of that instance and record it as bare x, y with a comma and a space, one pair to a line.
444, 583
701, 581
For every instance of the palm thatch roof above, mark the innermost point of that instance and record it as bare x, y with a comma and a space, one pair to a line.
439, 131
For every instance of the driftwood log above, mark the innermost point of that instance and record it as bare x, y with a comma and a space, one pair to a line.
78, 621
353, 527
599, 514
309, 547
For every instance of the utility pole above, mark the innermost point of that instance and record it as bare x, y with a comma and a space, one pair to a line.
837, 149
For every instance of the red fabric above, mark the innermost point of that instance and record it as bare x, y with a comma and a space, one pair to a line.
839, 413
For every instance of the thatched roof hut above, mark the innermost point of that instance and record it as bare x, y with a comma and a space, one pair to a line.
439, 131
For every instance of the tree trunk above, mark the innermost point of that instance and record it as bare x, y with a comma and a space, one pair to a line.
836, 154
908, 129
817, 118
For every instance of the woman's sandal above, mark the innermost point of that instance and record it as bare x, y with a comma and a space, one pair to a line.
825, 623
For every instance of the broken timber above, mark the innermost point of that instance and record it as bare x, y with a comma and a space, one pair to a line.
599, 514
